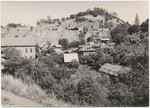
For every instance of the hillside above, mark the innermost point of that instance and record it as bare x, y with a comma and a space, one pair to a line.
42, 33
15, 92
10, 99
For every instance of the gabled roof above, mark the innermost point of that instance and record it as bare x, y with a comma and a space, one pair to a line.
70, 57
105, 39
86, 48
17, 41
113, 69
57, 46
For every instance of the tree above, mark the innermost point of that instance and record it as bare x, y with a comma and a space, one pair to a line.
120, 95
31, 28
49, 19
111, 24
62, 19
64, 42
48, 43
133, 29
137, 21
119, 30
38, 23
90, 39
106, 24
91, 92
73, 64
145, 25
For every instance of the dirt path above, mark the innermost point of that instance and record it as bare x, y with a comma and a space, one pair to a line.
10, 99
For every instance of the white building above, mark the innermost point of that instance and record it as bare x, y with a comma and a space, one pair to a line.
24, 44
70, 57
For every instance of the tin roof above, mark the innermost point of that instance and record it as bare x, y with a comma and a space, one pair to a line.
70, 57
58, 46
87, 48
113, 69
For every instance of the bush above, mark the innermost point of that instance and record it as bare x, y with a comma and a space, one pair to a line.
121, 95
90, 92
73, 64
119, 30
145, 25
133, 29
61, 73
64, 42
32, 92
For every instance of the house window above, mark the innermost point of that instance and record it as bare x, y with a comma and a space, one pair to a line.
31, 57
26, 50
25, 56
30, 49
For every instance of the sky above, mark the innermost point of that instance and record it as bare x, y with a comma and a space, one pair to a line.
29, 12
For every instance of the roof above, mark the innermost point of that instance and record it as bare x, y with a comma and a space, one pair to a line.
105, 39
113, 69
70, 57
87, 48
58, 51
18, 41
3, 60
58, 46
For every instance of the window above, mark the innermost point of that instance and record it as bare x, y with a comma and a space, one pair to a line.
25, 56
30, 49
26, 50
31, 57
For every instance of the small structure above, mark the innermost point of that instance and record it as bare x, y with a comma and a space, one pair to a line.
86, 50
113, 70
70, 57
73, 28
90, 44
95, 29
80, 29
24, 44
58, 51
58, 48
59, 28
104, 40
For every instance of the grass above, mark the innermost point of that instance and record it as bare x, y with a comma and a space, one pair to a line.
32, 92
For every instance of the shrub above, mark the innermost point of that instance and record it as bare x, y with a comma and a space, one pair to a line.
73, 64
64, 42
119, 30
61, 73
121, 95
32, 92
90, 92
133, 29
145, 25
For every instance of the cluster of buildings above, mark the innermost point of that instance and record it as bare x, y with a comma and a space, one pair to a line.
27, 47
59, 28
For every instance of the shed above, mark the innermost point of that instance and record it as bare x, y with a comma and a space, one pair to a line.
113, 70
70, 57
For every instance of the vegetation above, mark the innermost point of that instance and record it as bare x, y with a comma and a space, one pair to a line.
95, 12
119, 33
13, 25
144, 26
133, 29
137, 21
48, 79
32, 92
64, 42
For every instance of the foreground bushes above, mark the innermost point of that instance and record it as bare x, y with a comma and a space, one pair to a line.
53, 76
33, 92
